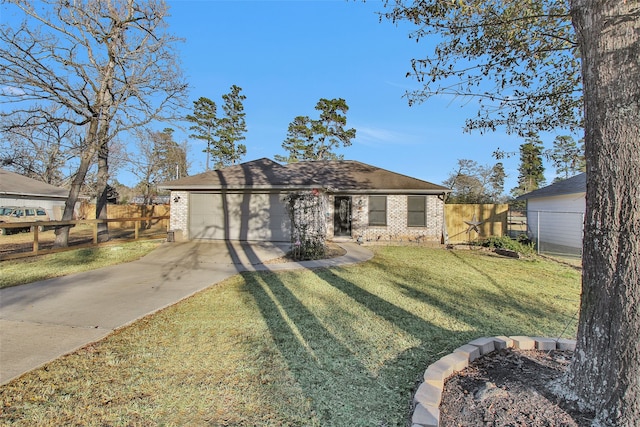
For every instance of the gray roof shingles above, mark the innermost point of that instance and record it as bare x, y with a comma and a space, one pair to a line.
573, 185
339, 175
13, 184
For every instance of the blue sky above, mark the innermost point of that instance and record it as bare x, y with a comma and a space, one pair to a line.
286, 55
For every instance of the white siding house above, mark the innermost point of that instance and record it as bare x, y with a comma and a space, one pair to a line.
555, 215
20, 191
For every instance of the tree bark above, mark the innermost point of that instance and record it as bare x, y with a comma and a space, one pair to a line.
102, 185
605, 372
62, 233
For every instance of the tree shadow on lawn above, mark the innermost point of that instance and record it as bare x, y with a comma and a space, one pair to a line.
342, 389
337, 378
492, 305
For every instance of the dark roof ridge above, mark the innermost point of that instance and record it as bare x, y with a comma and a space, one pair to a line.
338, 175
573, 185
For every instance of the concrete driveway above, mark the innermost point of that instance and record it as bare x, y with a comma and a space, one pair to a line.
42, 321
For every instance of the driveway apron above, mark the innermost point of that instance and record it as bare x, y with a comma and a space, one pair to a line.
44, 320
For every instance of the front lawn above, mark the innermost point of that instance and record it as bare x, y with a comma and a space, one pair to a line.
42, 267
329, 347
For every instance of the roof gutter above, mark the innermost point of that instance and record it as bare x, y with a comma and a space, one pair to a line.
302, 188
16, 194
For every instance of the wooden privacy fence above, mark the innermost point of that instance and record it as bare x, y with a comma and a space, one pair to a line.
466, 222
84, 232
88, 211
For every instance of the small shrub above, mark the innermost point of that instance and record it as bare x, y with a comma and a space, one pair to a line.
309, 250
522, 245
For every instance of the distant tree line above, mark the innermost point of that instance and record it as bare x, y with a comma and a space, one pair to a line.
474, 183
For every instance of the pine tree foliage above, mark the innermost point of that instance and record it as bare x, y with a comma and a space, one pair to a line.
221, 134
309, 139
567, 157
230, 130
531, 169
204, 121
299, 141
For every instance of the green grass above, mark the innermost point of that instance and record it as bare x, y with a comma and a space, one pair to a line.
27, 270
329, 347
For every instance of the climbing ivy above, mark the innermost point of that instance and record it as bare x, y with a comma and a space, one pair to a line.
308, 226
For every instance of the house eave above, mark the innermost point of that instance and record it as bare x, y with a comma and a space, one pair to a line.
548, 196
391, 191
32, 195
234, 188
275, 188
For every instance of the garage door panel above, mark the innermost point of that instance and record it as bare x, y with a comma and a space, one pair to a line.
238, 216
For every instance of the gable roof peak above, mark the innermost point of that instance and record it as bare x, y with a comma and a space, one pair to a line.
573, 185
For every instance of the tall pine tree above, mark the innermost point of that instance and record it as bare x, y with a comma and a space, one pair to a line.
567, 157
531, 169
230, 130
309, 139
221, 134
204, 124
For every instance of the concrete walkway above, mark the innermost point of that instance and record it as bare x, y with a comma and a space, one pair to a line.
42, 321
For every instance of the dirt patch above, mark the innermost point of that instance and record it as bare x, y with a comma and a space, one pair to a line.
332, 251
510, 388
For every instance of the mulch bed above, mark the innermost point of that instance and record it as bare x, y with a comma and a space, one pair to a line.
332, 251
510, 388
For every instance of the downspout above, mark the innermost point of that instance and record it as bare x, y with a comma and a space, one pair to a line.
444, 238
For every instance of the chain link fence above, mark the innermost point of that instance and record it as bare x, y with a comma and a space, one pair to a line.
556, 233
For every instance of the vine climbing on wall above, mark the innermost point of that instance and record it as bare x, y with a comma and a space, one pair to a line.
308, 226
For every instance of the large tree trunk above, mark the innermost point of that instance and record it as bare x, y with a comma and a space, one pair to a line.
102, 186
605, 372
62, 233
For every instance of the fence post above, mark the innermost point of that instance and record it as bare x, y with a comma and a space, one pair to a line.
136, 227
36, 244
95, 233
538, 231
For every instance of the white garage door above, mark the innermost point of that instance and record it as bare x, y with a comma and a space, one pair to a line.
238, 216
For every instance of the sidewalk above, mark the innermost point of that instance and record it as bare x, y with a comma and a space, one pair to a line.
42, 321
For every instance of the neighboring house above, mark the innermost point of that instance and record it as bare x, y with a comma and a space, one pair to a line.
245, 202
555, 215
155, 200
20, 191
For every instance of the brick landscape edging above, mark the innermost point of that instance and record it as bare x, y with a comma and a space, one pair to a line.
429, 393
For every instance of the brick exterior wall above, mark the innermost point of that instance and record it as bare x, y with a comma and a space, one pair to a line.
180, 213
396, 228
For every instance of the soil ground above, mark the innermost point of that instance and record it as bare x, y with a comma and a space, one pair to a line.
332, 251
510, 388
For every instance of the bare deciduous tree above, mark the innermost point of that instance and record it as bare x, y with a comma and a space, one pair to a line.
39, 146
110, 65
158, 158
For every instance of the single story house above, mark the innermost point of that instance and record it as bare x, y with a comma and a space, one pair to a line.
248, 202
555, 215
20, 191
